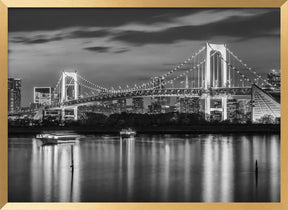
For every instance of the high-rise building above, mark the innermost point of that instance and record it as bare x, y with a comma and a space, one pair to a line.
42, 95
159, 104
188, 105
232, 106
239, 110
138, 105
274, 79
14, 95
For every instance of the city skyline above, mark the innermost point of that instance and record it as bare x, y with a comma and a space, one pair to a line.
126, 46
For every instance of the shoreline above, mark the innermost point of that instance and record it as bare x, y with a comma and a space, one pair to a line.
194, 129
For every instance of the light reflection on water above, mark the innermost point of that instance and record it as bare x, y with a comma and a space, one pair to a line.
187, 168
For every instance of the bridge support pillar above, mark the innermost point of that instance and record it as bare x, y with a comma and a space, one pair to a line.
63, 114
224, 107
207, 99
75, 109
74, 116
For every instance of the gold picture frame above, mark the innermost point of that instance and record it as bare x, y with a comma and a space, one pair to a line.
5, 4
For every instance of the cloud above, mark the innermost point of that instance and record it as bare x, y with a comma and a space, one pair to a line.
123, 50
244, 25
53, 19
44, 37
98, 49
237, 27
38, 39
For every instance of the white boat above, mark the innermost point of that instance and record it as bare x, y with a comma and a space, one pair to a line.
57, 138
127, 133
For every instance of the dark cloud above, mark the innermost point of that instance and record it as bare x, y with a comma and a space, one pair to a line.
39, 39
34, 40
238, 27
51, 19
98, 49
123, 50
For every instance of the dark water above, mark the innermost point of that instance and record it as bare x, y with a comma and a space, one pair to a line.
193, 168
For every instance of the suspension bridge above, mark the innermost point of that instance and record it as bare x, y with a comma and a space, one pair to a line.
213, 72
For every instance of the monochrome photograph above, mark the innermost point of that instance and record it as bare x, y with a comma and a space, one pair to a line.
144, 105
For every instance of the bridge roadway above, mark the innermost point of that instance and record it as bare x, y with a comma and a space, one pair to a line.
165, 92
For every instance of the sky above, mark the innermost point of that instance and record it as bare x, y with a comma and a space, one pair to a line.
113, 47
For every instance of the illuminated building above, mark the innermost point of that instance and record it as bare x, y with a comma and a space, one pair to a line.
14, 95
188, 105
138, 105
42, 95
274, 79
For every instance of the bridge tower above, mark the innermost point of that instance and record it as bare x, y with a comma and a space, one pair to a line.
66, 85
69, 91
215, 67
215, 75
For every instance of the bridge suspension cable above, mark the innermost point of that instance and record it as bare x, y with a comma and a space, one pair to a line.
239, 76
91, 83
57, 84
193, 69
178, 67
248, 68
86, 86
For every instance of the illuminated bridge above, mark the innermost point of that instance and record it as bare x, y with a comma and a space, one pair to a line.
213, 72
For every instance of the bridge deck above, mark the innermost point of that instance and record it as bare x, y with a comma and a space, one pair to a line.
179, 92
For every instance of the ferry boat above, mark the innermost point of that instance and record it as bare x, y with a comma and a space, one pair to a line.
127, 133
57, 138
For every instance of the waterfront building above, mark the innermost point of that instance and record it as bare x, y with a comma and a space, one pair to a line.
138, 105
232, 106
216, 116
239, 110
264, 104
167, 108
107, 107
42, 95
14, 94
274, 79
188, 105
120, 105
155, 108
159, 105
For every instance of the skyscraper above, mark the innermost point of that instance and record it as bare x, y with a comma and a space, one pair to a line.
14, 95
